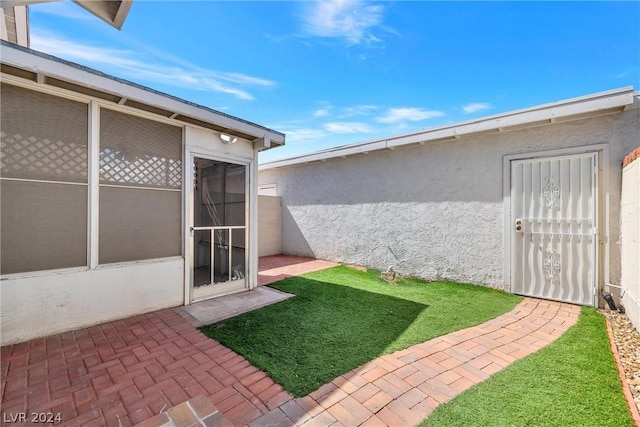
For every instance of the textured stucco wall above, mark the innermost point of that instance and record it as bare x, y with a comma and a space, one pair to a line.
434, 211
630, 239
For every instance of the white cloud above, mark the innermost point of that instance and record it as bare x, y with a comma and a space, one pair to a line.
304, 134
348, 127
348, 19
345, 112
137, 67
63, 9
358, 110
625, 73
478, 106
395, 115
322, 112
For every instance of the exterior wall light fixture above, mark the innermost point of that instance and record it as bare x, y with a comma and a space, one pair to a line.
228, 139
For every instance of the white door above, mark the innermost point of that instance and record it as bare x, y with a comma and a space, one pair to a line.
554, 227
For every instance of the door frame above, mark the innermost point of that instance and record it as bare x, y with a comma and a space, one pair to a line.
190, 155
602, 210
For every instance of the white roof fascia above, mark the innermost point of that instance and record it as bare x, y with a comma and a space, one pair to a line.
53, 67
584, 106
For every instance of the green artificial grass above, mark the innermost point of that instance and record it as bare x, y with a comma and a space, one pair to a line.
572, 382
341, 318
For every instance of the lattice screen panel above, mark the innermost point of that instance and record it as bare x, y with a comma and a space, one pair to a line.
139, 152
43, 137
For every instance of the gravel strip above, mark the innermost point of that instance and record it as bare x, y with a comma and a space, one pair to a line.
627, 340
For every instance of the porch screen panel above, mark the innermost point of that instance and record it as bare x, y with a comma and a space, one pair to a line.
139, 152
139, 223
43, 181
140, 188
36, 239
44, 137
235, 201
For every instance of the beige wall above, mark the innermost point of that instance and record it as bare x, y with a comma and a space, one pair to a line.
630, 239
269, 225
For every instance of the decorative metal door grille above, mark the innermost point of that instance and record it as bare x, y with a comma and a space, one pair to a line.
553, 206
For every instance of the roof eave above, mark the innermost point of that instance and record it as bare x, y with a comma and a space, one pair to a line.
44, 66
566, 110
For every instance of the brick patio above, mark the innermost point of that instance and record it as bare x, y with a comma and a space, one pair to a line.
278, 267
127, 371
124, 372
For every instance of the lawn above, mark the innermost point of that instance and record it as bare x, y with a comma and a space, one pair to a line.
572, 382
341, 318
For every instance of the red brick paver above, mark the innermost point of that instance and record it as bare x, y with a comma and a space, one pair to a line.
278, 267
125, 372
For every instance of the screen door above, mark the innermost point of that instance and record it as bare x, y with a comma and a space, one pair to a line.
219, 232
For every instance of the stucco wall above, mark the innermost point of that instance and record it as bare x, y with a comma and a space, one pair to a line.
47, 304
434, 211
630, 237
269, 225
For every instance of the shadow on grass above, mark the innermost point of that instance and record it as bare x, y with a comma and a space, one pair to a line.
325, 331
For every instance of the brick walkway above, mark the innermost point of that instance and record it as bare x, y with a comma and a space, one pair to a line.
125, 372
403, 388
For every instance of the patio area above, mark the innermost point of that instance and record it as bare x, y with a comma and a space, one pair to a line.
271, 269
126, 372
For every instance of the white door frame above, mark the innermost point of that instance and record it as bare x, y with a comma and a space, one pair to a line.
188, 209
602, 208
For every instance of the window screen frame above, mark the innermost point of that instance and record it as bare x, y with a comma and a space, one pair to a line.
97, 184
8, 80
93, 180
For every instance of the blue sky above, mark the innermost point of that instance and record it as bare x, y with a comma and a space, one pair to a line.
338, 72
